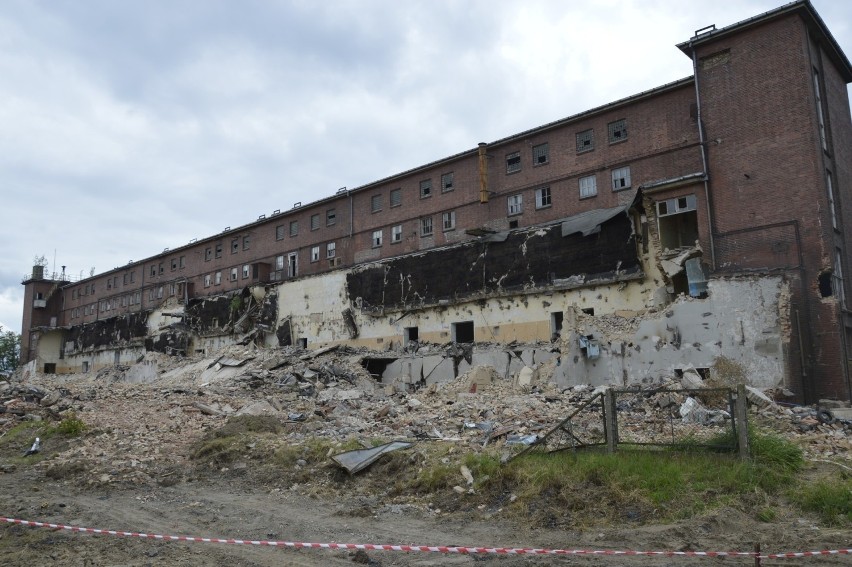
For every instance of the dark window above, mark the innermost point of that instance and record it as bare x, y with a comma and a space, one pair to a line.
208, 254
174, 264
219, 250
235, 245
425, 188
447, 182
585, 141
330, 217
463, 332
513, 162
617, 131
540, 154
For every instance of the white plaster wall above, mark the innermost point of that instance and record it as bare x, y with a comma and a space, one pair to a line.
741, 320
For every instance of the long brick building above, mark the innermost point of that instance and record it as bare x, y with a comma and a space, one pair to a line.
729, 187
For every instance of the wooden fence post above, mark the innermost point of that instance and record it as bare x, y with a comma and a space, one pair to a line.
610, 420
741, 417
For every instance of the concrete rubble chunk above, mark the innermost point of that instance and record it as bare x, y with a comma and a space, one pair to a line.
691, 380
258, 408
758, 398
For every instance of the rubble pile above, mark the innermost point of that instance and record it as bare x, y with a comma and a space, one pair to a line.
142, 420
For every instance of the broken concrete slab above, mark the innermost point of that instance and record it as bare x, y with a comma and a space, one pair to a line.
258, 408
758, 398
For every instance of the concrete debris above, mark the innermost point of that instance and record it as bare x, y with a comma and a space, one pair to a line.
331, 395
758, 398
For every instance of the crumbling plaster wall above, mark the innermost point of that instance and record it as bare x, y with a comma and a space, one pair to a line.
741, 320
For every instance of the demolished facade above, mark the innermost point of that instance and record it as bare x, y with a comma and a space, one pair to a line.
685, 226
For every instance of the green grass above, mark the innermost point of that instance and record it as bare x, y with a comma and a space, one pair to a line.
831, 500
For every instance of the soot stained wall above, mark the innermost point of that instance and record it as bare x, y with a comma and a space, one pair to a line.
525, 260
109, 331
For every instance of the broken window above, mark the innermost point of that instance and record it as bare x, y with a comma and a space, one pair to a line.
588, 187
376, 203
463, 332
449, 220
585, 141
208, 254
161, 268
217, 279
831, 199
153, 270
446, 182
293, 264
330, 250
219, 250
109, 285
513, 223
617, 131
377, 238
621, 178
513, 162
246, 271
174, 264
234, 274
677, 219
516, 204
410, 334
315, 253
820, 115
542, 197
395, 197
330, 217
246, 242
280, 232
838, 280
235, 245
315, 222
294, 228
426, 226
425, 188
182, 262
540, 154
396, 234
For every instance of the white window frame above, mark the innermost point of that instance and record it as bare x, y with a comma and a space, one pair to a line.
246, 271
588, 186
217, 279
235, 274
543, 197
331, 250
448, 220
396, 234
378, 236
315, 251
621, 178
540, 151
515, 204
426, 226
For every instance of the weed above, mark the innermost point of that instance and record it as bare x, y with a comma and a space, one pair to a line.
831, 499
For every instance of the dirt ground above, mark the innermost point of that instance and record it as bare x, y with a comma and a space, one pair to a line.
132, 470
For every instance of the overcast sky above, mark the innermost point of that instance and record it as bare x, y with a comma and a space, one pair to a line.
129, 127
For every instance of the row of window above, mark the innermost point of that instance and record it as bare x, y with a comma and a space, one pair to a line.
616, 132
177, 263
110, 304
216, 278
216, 251
587, 185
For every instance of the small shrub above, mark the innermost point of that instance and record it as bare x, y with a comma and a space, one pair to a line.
70, 426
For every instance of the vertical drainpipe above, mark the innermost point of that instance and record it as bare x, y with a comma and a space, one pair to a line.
703, 146
483, 173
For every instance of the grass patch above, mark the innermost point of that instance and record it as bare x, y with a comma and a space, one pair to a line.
830, 499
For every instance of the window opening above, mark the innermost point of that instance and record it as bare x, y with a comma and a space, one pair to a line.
294, 228
315, 253
426, 226
235, 245
330, 217
513, 162
556, 325
677, 220
280, 232
315, 221
617, 131
331, 250
410, 334
377, 238
585, 141
516, 204
425, 188
292, 264
462, 332
234, 274
396, 233
588, 187
219, 250
396, 197
447, 182
540, 154
376, 203
542, 198
621, 178
449, 220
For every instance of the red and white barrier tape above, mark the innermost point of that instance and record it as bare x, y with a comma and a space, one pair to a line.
428, 548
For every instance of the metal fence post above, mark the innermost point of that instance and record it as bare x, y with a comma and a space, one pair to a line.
741, 416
